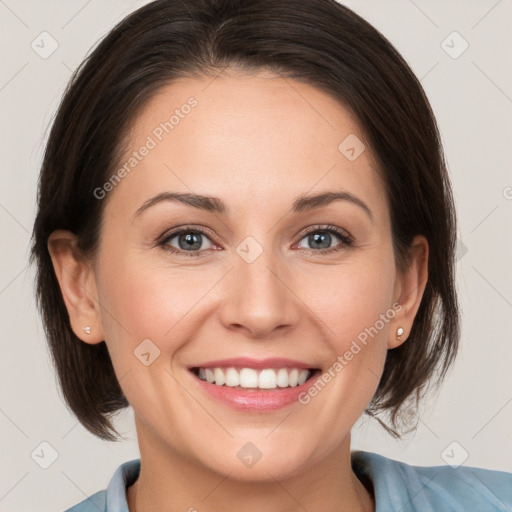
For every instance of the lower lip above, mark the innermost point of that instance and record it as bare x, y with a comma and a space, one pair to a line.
256, 400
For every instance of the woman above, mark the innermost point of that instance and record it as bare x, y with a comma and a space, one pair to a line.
246, 233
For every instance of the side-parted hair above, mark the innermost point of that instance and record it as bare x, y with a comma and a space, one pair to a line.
318, 42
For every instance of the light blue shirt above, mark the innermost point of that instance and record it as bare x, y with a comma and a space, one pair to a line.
397, 487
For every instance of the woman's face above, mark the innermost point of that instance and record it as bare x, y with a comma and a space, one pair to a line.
255, 282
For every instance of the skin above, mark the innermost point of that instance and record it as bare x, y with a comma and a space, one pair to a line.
257, 142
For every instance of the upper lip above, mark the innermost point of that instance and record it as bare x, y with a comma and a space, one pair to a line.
257, 364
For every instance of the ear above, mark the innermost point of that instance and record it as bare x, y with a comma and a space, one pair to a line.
77, 284
409, 289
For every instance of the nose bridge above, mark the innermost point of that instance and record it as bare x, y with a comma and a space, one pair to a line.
259, 299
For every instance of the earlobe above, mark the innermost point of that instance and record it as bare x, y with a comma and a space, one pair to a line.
409, 291
77, 285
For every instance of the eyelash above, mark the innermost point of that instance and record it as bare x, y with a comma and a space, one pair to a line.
346, 240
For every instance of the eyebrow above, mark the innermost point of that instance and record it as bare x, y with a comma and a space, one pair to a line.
301, 204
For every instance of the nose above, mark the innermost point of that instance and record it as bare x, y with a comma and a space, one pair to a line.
259, 298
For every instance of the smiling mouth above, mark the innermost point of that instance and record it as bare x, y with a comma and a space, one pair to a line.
250, 378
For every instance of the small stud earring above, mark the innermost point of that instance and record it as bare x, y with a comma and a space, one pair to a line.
87, 329
399, 332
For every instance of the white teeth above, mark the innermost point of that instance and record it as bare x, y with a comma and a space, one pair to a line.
282, 378
232, 377
268, 378
303, 376
248, 378
293, 378
209, 375
220, 379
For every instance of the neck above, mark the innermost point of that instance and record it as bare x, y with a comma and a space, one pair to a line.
170, 481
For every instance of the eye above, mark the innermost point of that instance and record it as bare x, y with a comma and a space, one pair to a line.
320, 239
194, 242
187, 241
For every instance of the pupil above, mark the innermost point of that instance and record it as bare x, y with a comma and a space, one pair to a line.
190, 240
318, 238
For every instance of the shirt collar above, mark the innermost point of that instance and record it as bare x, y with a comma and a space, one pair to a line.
127, 473
124, 476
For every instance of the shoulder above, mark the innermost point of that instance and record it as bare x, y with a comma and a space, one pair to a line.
400, 486
113, 498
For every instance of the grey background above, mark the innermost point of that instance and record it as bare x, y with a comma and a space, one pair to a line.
468, 422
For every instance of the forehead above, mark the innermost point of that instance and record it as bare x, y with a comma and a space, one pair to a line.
266, 137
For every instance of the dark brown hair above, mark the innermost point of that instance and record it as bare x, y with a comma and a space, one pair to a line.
319, 42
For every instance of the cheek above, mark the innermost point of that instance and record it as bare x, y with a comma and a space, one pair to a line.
356, 308
144, 317
154, 301
353, 299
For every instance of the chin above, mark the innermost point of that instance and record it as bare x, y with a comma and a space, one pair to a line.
262, 460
